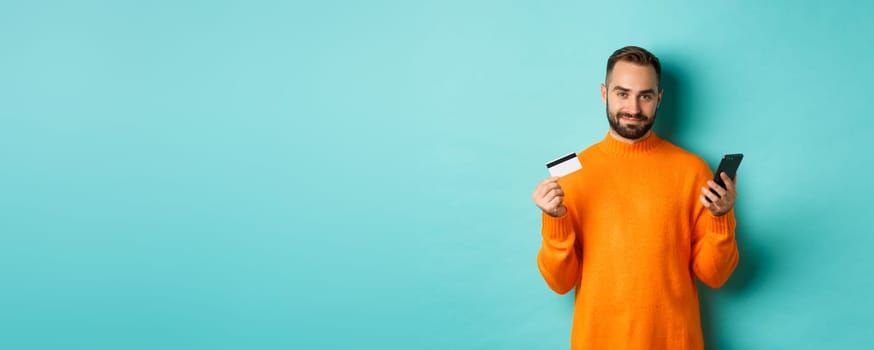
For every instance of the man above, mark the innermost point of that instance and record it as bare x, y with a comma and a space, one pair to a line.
634, 227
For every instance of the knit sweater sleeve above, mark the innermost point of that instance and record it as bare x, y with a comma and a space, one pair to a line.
559, 257
714, 248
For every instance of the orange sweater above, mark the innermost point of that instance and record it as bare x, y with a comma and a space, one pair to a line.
634, 236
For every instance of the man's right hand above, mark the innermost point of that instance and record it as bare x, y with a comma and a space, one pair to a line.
548, 196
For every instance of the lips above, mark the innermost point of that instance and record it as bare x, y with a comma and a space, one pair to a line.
632, 120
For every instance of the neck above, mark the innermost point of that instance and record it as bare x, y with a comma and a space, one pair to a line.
617, 145
616, 136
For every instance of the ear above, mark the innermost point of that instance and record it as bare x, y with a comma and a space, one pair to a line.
604, 94
661, 91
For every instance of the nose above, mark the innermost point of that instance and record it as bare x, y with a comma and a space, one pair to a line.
634, 106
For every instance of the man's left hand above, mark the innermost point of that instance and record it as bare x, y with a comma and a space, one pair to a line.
724, 201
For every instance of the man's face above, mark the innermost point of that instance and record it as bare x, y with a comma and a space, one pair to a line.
632, 97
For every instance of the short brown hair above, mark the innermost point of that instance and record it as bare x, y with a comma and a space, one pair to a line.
636, 55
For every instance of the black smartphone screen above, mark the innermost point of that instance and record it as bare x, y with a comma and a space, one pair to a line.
728, 165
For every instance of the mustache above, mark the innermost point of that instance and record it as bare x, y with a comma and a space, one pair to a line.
638, 116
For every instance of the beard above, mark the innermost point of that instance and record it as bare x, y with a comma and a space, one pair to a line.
630, 131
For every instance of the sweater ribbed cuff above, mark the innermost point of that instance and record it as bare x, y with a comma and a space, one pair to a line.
723, 225
557, 228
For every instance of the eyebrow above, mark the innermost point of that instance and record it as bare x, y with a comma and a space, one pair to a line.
647, 91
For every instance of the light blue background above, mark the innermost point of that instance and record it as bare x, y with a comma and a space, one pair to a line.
325, 175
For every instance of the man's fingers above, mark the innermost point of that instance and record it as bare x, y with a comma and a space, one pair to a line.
554, 202
729, 183
545, 185
723, 199
555, 192
542, 184
548, 194
714, 192
715, 206
704, 201
719, 189
554, 187
549, 179
709, 194
552, 194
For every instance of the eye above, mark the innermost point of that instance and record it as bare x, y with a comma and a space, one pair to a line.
646, 97
622, 94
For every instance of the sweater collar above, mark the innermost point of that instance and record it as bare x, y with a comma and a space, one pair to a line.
611, 145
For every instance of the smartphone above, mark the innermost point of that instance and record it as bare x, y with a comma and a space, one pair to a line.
728, 165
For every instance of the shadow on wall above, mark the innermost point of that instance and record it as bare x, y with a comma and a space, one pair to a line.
747, 273
670, 117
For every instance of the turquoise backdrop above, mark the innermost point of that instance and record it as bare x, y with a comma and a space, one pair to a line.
357, 174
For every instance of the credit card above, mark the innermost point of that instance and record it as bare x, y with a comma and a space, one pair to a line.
564, 165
